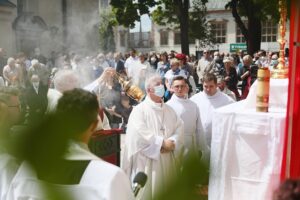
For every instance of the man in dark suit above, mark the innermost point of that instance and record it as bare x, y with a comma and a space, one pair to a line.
119, 64
36, 98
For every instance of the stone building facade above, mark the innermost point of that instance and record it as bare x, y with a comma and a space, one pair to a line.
225, 31
50, 25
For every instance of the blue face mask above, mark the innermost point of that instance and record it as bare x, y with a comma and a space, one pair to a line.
159, 90
274, 62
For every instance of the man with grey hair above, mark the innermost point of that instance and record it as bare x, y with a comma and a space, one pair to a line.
64, 80
40, 70
205, 65
154, 140
36, 99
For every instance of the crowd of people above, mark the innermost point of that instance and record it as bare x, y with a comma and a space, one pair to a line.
40, 98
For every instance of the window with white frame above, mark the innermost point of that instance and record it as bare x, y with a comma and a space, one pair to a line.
177, 39
269, 31
219, 31
164, 37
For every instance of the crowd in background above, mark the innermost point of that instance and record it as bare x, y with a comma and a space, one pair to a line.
41, 80
34, 75
18, 69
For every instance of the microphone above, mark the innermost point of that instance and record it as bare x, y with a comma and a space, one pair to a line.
139, 181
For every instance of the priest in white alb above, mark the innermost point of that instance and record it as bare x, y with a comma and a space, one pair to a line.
194, 139
154, 140
207, 101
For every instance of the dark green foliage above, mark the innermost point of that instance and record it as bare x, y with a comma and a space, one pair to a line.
191, 180
177, 14
255, 11
106, 33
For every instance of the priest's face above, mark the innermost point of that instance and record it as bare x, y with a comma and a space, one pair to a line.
210, 87
152, 93
180, 88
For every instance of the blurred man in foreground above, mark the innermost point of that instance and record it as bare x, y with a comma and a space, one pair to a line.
58, 154
9, 116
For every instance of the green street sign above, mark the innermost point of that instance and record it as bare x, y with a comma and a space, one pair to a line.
238, 46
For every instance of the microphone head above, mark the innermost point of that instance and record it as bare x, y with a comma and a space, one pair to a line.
140, 178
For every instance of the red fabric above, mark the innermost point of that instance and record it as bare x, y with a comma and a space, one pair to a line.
112, 159
180, 56
108, 132
291, 167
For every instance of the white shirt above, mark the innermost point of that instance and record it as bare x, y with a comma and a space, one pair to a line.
170, 74
130, 65
206, 105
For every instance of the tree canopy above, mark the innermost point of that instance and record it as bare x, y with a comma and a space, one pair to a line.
177, 14
106, 34
255, 11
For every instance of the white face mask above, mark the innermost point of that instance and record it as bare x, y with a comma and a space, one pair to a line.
153, 59
159, 90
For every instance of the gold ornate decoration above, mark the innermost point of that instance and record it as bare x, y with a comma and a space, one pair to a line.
131, 90
281, 71
263, 89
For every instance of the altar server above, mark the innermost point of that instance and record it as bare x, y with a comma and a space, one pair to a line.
209, 100
194, 139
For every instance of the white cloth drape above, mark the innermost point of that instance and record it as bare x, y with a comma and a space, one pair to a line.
246, 153
207, 104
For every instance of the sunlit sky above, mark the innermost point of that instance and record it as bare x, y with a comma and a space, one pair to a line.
146, 24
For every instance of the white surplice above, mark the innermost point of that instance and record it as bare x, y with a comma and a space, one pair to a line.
149, 124
100, 180
188, 111
207, 104
8, 168
109, 179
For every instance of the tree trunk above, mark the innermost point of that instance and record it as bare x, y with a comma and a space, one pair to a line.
254, 27
64, 23
254, 36
184, 25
